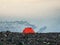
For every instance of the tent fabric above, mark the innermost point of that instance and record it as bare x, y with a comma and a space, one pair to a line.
28, 30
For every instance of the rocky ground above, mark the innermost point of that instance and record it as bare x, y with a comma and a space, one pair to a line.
14, 38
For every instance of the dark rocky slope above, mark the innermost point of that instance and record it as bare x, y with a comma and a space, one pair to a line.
14, 38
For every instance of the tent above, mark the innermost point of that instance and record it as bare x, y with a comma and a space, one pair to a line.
28, 30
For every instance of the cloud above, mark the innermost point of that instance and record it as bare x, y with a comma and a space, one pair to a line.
42, 29
26, 24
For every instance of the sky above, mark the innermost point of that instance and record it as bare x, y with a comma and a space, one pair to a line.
37, 12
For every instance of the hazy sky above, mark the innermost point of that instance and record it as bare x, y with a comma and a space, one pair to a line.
27, 8
38, 12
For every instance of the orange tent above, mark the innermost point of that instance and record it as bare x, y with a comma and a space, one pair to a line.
28, 30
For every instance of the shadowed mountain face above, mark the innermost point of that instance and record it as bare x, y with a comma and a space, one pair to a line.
14, 38
18, 26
